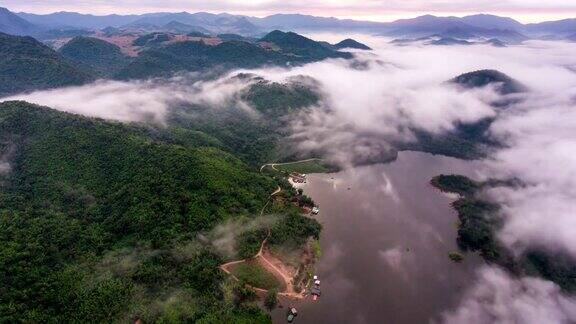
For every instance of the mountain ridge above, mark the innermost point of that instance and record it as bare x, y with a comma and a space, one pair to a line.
247, 25
28, 65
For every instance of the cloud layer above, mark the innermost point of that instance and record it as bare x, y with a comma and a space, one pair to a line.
138, 101
498, 298
382, 96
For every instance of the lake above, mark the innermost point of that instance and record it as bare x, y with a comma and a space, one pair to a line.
386, 237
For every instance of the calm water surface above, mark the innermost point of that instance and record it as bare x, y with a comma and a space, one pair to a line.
386, 238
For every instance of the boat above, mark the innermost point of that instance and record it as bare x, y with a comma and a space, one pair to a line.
292, 313
315, 289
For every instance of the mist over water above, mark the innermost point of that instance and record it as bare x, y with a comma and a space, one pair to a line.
380, 97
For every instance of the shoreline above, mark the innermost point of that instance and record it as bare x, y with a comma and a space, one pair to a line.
295, 286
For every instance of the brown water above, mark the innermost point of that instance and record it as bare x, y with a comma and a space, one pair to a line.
385, 244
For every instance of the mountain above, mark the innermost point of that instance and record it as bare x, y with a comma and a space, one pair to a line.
99, 55
427, 25
100, 221
558, 29
468, 140
350, 43
179, 27
496, 42
236, 37
255, 140
449, 41
493, 22
454, 27
28, 65
197, 56
302, 47
481, 25
483, 78
276, 48
152, 39
306, 22
76, 20
221, 23
14, 25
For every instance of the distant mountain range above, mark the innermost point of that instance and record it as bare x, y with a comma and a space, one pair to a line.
14, 25
475, 26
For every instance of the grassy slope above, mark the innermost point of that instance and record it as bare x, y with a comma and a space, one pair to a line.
315, 166
256, 276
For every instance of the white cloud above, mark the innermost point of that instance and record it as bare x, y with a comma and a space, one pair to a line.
499, 298
542, 141
387, 92
142, 101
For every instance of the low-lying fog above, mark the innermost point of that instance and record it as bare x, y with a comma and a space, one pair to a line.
382, 95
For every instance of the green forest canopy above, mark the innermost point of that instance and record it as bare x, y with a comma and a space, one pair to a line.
99, 221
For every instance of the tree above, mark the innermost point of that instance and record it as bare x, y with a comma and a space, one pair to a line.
243, 293
271, 299
456, 257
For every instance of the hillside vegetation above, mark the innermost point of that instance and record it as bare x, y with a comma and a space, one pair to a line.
100, 221
197, 56
100, 56
479, 221
482, 78
27, 65
302, 48
256, 137
469, 140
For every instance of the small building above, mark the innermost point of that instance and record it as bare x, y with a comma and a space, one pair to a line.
298, 177
315, 210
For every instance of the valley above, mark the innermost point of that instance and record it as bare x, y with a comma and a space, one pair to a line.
169, 167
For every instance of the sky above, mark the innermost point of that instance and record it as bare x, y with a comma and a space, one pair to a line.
375, 10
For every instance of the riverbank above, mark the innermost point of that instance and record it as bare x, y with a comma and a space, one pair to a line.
293, 269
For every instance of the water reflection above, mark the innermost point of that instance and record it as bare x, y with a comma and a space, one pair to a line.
386, 238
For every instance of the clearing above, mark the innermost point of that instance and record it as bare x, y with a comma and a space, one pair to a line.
255, 275
305, 167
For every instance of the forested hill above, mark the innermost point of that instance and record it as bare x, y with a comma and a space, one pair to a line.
301, 47
482, 78
100, 56
480, 220
27, 64
257, 140
276, 48
98, 221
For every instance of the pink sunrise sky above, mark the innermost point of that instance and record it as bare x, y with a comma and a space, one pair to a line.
375, 10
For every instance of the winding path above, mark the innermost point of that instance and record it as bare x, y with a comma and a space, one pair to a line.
289, 288
260, 257
273, 165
